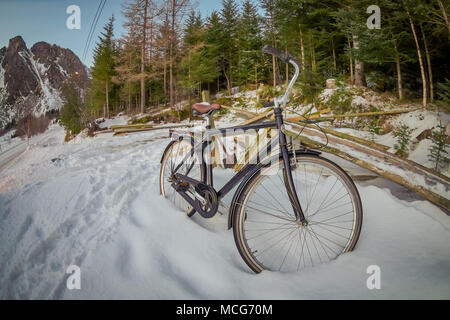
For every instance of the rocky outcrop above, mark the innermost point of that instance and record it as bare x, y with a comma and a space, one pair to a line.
31, 79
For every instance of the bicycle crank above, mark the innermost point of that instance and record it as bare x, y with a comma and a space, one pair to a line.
200, 196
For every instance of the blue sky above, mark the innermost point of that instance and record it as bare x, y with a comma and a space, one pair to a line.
45, 20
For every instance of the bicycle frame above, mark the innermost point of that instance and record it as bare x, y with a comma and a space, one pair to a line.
247, 169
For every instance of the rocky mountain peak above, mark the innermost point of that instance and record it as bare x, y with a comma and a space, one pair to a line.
16, 45
31, 79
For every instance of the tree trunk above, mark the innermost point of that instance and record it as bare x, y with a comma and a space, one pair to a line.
171, 57
165, 76
256, 77
444, 14
313, 53
228, 83
399, 72
302, 49
274, 68
129, 98
419, 54
230, 75
430, 71
334, 55
107, 99
360, 78
287, 70
144, 31
352, 80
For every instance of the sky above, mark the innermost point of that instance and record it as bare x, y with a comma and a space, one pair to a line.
45, 20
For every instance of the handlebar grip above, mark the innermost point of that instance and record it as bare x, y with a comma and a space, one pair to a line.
268, 104
284, 56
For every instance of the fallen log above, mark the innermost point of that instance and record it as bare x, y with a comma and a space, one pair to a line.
370, 114
136, 130
131, 126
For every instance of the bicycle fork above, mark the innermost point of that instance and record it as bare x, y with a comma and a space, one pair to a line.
287, 173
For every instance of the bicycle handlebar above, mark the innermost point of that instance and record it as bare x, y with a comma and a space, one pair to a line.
287, 58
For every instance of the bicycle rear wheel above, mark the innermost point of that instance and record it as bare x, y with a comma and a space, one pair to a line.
265, 229
180, 152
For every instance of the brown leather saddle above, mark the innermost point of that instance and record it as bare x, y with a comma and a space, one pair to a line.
200, 109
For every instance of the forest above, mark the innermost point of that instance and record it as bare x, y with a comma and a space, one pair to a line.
170, 53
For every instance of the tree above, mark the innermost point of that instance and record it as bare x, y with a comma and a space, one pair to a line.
200, 64
350, 19
406, 7
250, 44
269, 7
438, 151
141, 24
229, 17
73, 113
403, 135
213, 38
176, 10
103, 69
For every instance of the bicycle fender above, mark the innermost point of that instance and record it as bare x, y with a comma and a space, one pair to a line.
256, 170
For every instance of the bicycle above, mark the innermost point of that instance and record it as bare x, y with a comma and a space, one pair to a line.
275, 227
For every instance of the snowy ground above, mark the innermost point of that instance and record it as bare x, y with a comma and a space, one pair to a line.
95, 203
418, 121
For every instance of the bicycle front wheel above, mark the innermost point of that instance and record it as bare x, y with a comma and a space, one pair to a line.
265, 227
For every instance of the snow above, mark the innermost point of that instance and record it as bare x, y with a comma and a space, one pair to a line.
418, 121
96, 204
52, 99
120, 120
2, 76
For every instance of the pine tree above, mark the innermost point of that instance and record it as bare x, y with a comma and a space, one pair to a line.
229, 17
213, 38
439, 155
73, 113
200, 64
403, 135
250, 44
103, 69
271, 33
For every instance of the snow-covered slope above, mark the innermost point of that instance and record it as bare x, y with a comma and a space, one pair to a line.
96, 204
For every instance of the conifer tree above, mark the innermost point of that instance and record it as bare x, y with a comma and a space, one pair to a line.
250, 44
103, 69
229, 16
439, 155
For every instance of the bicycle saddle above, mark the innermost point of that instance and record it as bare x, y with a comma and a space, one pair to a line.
205, 108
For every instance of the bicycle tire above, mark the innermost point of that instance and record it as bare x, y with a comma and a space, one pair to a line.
255, 257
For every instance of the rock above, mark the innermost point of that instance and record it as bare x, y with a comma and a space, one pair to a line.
424, 135
331, 84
